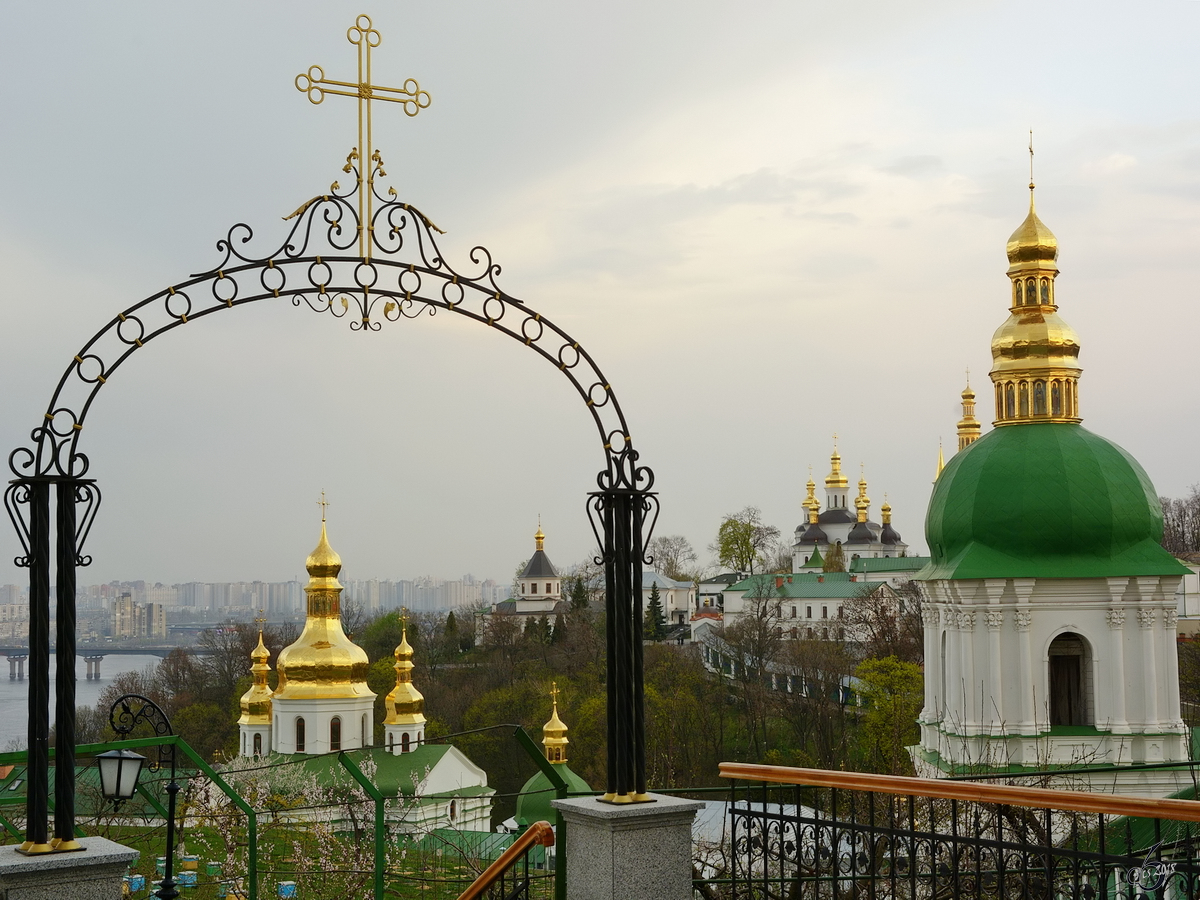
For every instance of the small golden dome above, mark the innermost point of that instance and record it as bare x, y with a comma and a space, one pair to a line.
967, 393
836, 479
405, 705
1032, 244
323, 562
539, 539
886, 512
554, 732
256, 702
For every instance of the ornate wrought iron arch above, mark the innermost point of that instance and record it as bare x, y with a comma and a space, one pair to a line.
403, 276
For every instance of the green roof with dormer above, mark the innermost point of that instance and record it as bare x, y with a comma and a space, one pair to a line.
1044, 500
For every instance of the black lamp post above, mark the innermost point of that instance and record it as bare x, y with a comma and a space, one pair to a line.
119, 770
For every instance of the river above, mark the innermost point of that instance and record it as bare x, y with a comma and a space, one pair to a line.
14, 695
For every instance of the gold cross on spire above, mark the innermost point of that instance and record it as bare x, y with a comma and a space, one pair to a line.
404, 620
260, 620
554, 693
323, 503
316, 86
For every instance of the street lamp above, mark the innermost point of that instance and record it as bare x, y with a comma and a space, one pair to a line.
119, 770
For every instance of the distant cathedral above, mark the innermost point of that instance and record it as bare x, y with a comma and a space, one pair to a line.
836, 528
1050, 624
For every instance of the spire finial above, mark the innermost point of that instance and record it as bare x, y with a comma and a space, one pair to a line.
968, 376
1031, 165
941, 462
554, 695
323, 503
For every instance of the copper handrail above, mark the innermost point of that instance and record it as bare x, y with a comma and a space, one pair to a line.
537, 833
1042, 798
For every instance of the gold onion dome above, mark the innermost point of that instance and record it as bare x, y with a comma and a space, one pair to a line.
256, 702
554, 733
862, 503
1035, 354
323, 662
836, 478
405, 705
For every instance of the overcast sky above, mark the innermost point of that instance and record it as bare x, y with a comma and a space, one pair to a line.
768, 222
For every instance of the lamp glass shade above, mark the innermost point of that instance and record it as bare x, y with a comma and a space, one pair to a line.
119, 771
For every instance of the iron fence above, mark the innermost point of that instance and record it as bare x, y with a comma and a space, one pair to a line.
805, 833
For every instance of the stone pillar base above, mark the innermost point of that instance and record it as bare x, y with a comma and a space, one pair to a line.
629, 851
93, 873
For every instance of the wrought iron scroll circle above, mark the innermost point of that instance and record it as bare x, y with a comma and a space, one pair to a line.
408, 278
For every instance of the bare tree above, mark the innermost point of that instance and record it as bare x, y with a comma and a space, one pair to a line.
672, 554
886, 621
1181, 523
755, 639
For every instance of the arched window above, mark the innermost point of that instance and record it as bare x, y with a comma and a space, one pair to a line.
243, 745
1031, 291
299, 735
1045, 292
335, 733
1023, 396
1055, 399
404, 742
1070, 680
391, 741
1010, 407
258, 745
364, 730
453, 809
1039, 398
533, 587
1017, 298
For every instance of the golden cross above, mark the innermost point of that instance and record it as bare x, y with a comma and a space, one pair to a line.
316, 86
404, 619
554, 693
260, 620
323, 503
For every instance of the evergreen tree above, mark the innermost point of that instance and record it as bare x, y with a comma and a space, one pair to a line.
579, 598
560, 629
655, 626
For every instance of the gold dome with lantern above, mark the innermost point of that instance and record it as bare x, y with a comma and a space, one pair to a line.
405, 705
323, 663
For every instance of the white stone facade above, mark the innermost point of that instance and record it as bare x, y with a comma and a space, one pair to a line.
355, 724
1040, 672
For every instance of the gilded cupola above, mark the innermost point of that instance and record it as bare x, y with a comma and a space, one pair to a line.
968, 426
256, 702
862, 503
811, 504
405, 705
1035, 354
554, 732
323, 662
836, 478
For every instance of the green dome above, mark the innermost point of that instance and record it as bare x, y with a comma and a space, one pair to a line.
1044, 500
534, 803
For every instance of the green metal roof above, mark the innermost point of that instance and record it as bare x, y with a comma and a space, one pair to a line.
804, 586
888, 564
1046, 500
534, 803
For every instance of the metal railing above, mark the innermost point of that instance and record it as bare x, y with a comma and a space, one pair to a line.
508, 877
809, 833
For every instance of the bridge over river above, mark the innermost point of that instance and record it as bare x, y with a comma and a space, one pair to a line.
93, 654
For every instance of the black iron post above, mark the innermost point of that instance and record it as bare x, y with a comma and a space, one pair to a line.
126, 714
64, 705
623, 513
37, 825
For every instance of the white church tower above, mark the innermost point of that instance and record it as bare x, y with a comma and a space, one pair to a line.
1050, 621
